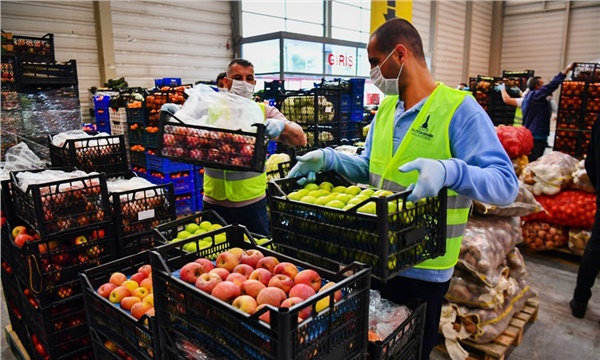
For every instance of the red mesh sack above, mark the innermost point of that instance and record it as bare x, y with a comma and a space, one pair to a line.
516, 141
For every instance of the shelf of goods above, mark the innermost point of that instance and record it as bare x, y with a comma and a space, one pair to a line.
578, 109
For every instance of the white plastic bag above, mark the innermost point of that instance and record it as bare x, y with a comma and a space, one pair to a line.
205, 107
20, 157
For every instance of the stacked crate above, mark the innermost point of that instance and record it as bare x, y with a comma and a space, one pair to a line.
102, 113
68, 229
199, 185
578, 109
491, 100
163, 171
517, 78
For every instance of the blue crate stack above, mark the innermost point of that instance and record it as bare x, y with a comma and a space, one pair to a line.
162, 171
101, 113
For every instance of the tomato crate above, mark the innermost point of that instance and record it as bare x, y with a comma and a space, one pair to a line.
589, 72
137, 212
405, 342
337, 330
136, 115
36, 49
137, 155
568, 120
392, 236
107, 154
212, 147
185, 204
589, 119
62, 205
137, 337
49, 265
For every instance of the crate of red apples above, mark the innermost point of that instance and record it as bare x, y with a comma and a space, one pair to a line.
237, 300
212, 147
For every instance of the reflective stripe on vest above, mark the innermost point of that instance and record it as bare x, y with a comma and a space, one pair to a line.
518, 121
427, 137
235, 185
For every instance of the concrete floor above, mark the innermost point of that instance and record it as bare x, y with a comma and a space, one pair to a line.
556, 335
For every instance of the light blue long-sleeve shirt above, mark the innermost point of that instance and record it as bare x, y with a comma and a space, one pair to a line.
479, 168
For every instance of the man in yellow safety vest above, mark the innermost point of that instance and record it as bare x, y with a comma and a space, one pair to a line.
425, 136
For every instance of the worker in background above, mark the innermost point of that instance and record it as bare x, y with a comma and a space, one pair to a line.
517, 102
239, 197
425, 136
463, 86
590, 261
537, 110
221, 81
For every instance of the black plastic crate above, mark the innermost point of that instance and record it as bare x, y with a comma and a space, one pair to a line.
107, 154
136, 115
58, 206
136, 133
519, 77
212, 147
137, 212
107, 349
283, 168
390, 239
137, 155
185, 312
49, 266
168, 231
41, 74
36, 49
14, 308
589, 72
137, 337
8, 72
405, 342
568, 120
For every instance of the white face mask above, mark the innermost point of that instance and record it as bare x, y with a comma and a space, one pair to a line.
387, 86
222, 89
242, 88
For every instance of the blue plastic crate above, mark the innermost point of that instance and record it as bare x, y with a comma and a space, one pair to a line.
358, 85
199, 196
271, 147
167, 82
103, 126
101, 102
357, 102
166, 166
181, 185
356, 116
185, 204
198, 177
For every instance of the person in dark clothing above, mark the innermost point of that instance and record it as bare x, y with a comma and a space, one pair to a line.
590, 261
537, 110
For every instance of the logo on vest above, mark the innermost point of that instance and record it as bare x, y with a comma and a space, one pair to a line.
422, 131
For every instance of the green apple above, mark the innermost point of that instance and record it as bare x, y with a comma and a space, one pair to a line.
356, 200
348, 207
311, 186
382, 192
175, 240
335, 204
339, 189
220, 238
369, 208
367, 192
324, 199
262, 241
183, 234
308, 199
326, 185
295, 196
392, 262
199, 231
343, 197
192, 227
205, 225
303, 192
214, 227
353, 190
191, 247
206, 243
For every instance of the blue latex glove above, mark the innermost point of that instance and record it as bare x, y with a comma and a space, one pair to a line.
170, 108
308, 165
499, 87
274, 128
432, 175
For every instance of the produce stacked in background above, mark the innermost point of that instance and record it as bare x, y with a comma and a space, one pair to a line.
489, 279
560, 184
518, 143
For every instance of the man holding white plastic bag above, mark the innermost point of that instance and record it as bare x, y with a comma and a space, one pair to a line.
240, 196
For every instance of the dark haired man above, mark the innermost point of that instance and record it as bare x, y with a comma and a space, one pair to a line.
537, 110
458, 149
221, 81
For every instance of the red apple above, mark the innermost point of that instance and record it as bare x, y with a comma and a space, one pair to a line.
271, 295
118, 293
281, 281
243, 269
338, 294
145, 269
226, 291
138, 277
266, 317
207, 281
310, 278
252, 287
128, 301
251, 257
117, 278
227, 260
105, 289
267, 262
286, 268
22, 238
262, 275
245, 303
207, 265
302, 291
190, 272
80, 240
19, 229
291, 301
140, 292
238, 252
236, 278
147, 283
223, 273
139, 309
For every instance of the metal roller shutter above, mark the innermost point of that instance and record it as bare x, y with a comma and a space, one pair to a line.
449, 42
583, 44
421, 20
481, 32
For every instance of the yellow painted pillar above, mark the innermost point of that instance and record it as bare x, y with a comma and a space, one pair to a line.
381, 11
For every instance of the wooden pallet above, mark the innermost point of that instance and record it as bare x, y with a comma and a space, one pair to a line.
512, 336
15, 344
